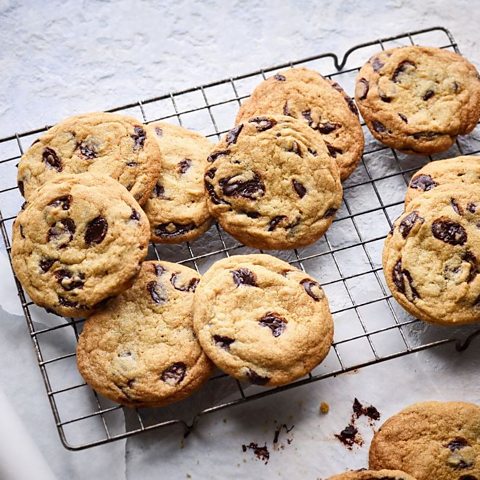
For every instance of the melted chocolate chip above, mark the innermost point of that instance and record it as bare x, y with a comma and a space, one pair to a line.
184, 165
159, 270
313, 152
379, 126
369, 411
252, 214
158, 191
403, 117
402, 67
333, 151
87, 150
139, 137
69, 281
377, 64
67, 303
263, 123
21, 187
244, 276
472, 207
295, 148
213, 156
213, 195
135, 215
279, 77
330, 213
256, 379
223, 342
274, 322
348, 436
384, 98
456, 207
172, 229
51, 158
425, 135
286, 110
308, 285
404, 282
470, 258
275, 221
362, 88
457, 444
307, 115
351, 105
408, 223
156, 292
62, 230
299, 188
63, 202
428, 94
46, 264
251, 189
449, 232
190, 286
174, 374
96, 231
233, 134
21, 231
327, 127
423, 182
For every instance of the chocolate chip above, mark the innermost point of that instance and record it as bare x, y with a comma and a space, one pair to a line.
23, 206
404, 282
377, 64
307, 115
172, 229
456, 87
174, 374
96, 230
403, 117
69, 281
428, 94
308, 285
159, 270
135, 215
379, 126
252, 214
330, 213
251, 189
256, 379
348, 436
213, 195
21, 187
423, 182
425, 135
402, 67
333, 151
233, 134
62, 231
295, 148
457, 444
87, 150
286, 110
63, 202
223, 342
159, 131
158, 191
456, 207
385, 98
68, 303
244, 276
362, 88
184, 165
190, 286
21, 231
213, 156
299, 188
313, 152
327, 127
139, 137
279, 77
351, 105
472, 207
46, 264
449, 232
263, 123
408, 223
467, 477
470, 258
274, 322
51, 158
156, 292
275, 221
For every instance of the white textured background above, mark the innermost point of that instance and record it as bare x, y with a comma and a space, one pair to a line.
63, 57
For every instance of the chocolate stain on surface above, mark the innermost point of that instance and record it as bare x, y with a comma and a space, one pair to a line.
261, 453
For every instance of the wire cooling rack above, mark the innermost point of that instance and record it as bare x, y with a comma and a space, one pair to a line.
370, 327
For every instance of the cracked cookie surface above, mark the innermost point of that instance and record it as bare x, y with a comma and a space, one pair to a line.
418, 99
372, 475
261, 320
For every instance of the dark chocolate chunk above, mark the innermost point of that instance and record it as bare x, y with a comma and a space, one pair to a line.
369, 411
233, 134
402, 67
51, 158
68, 303
295, 148
448, 231
96, 230
256, 379
330, 212
213, 195
63, 230
274, 322
63, 202
46, 264
423, 182
313, 152
156, 292
467, 477
172, 229
428, 94
425, 135
377, 64
69, 281
174, 374
131, 164
333, 151
379, 126
472, 207
348, 436
184, 165
279, 77
21, 187
308, 285
286, 110
87, 150
190, 286
404, 282
362, 88
275, 221
251, 189
252, 214
456, 87
457, 444
351, 105
456, 207
408, 223
327, 127
139, 137
159, 270
307, 115
21, 231
223, 342
135, 215
158, 191
214, 155
384, 98
263, 123
470, 258
244, 276
299, 188
403, 117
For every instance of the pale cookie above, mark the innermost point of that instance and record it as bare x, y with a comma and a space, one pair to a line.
140, 350
261, 320
418, 99
79, 240
101, 143
272, 184
372, 475
177, 207
431, 441
305, 95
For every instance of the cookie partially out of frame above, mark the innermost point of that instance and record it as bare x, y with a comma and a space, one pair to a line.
431, 440
320, 103
79, 240
372, 475
261, 320
272, 184
140, 350
418, 99
102, 143
177, 207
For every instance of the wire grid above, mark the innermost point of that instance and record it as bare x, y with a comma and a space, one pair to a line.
370, 327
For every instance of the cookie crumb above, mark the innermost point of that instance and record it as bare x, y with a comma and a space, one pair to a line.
324, 408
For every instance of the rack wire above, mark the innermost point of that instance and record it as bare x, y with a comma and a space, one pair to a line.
370, 327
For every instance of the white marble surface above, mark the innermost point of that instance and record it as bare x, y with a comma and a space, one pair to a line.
64, 57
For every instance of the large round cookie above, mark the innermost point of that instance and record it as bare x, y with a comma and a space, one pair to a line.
418, 99
458, 170
373, 475
272, 184
140, 350
102, 143
177, 207
431, 259
431, 441
79, 240
322, 104
261, 320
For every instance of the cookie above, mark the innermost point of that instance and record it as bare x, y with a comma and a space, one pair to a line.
320, 103
177, 207
272, 184
79, 240
101, 143
431, 440
458, 170
261, 320
418, 99
430, 260
372, 475
140, 350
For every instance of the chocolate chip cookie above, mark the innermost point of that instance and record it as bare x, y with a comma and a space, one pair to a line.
272, 184
430, 260
322, 104
140, 350
177, 207
80, 239
418, 99
261, 320
373, 475
431, 440
458, 170
103, 143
